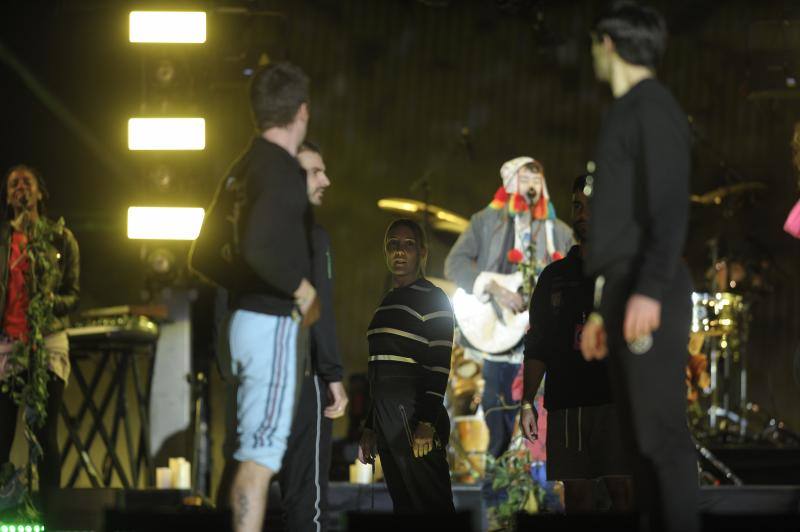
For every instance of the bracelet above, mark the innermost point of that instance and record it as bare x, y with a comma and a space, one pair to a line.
599, 284
595, 318
526, 406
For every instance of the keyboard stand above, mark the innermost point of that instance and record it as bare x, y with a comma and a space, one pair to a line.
105, 372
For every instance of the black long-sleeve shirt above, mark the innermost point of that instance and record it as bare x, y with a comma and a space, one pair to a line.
275, 240
325, 358
561, 302
413, 327
640, 196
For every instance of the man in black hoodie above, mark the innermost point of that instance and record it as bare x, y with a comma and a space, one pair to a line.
264, 326
639, 203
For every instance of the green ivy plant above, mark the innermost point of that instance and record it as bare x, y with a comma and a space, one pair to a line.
28, 362
511, 472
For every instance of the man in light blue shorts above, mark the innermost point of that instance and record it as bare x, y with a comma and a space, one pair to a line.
265, 322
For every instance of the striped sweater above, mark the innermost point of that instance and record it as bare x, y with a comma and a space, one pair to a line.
414, 326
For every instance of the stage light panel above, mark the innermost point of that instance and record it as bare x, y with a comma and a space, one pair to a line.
188, 27
164, 223
166, 134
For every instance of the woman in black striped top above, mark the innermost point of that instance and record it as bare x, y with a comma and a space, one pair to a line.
410, 340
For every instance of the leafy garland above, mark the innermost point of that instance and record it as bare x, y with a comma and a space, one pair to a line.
511, 472
29, 360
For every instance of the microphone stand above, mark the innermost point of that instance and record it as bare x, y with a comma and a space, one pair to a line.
529, 271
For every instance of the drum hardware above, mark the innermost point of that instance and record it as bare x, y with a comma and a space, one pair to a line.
719, 328
470, 445
466, 383
715, 314
717, 464
715, 197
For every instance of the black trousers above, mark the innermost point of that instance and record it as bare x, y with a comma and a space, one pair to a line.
651, 395
306, 465
416, 485
50, 465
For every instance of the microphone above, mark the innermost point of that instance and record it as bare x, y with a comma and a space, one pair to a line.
466, 141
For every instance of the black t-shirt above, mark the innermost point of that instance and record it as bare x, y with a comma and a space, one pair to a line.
640, 194
562, 300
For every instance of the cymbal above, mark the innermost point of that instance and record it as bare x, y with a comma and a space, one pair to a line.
439, 219
715, 197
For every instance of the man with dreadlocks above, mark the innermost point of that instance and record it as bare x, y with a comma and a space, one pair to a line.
517, 231
22, 195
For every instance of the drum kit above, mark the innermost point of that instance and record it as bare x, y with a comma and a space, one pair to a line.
719, 330
717, 372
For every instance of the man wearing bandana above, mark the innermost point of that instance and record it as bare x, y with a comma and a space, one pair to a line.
518, 229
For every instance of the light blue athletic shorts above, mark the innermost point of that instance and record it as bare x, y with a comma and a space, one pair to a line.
263, 350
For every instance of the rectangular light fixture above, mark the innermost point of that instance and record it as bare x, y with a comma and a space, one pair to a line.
167, 27
166, 134
164, 223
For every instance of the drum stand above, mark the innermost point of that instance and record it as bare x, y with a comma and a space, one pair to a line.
728, 386
718, 465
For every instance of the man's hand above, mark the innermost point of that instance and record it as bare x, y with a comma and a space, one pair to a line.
338, 398
305, 297
366, 447
507, 298
423, 439
642, 317
593, 340
529, 422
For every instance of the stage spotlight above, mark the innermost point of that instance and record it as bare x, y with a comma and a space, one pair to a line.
164, 223
162, 177
166, 134
167, 27
161, 261
164, 73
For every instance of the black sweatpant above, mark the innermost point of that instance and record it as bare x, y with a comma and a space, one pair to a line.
416, 485
307, 462
651, 395
50, 464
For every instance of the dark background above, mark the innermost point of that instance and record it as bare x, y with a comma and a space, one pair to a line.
393, 85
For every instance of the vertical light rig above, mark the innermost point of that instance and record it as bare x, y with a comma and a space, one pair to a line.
167, 136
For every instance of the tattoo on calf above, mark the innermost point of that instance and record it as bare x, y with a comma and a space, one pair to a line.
241, 508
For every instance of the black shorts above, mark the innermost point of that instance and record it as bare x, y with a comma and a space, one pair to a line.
585, 443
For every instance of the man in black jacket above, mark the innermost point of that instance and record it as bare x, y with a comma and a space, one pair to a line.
264, 327
639, 203
306, 465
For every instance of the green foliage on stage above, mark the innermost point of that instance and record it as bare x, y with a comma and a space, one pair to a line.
28, 363
511, 473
